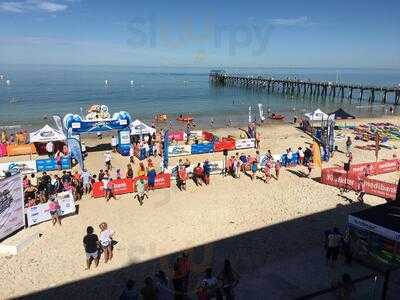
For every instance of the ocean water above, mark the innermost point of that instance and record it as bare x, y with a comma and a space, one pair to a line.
36, 93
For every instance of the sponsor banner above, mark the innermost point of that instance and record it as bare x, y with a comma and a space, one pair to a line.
179, 150
196, 133
245, 143
202, 148
51, 165
163, 181
208, 136
216, 167
40, 213
13, 150
121, 186
177, 136
124, 137
25, 167
224, 144
368, 226
380, 188
11, 205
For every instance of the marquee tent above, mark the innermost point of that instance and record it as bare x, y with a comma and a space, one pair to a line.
139, 128
46, 134
340, 114
317, 115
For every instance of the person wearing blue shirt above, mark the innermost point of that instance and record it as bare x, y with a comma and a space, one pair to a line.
207, 171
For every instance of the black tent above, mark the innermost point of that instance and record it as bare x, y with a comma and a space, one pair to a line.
340, 114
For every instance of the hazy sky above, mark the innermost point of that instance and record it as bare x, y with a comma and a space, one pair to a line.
258, 33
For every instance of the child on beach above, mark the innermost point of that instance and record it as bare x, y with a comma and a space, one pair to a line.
54, 208
141, 191
110, 190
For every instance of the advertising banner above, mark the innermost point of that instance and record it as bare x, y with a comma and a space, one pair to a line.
14, 150
25, 167
202, 148
179, 150
51, 165
163, 181
177, 136
40, 213
245, 143
224, 144
124, 137
11, 205
368, 226
121, 186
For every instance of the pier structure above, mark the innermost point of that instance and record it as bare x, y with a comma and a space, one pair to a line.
297, 87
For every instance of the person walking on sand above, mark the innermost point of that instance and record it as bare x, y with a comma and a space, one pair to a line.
110, 190
107, 161
54, 208
332, 251
207, 171
141, 191
91, 245
114, 143
105, 238
348, 145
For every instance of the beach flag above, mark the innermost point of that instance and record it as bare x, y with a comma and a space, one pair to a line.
261, 111
316, 155
165, 152
250, 119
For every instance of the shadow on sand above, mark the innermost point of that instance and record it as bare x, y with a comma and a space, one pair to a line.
247, 252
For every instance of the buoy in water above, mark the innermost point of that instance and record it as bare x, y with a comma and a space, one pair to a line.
131, 82
8, 82
106, 82
1, 77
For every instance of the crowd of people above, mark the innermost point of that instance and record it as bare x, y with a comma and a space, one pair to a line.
19, 138
160, 287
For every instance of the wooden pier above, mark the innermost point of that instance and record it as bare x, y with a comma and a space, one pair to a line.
296, 87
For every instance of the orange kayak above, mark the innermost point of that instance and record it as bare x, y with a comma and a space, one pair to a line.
277, 117
184, 118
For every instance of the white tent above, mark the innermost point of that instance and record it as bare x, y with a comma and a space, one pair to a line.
46, 134
317, 115
139, 128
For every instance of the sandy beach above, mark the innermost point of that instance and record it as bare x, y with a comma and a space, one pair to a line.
254, 224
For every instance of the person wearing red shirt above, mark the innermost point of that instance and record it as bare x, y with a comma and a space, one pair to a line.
198, 175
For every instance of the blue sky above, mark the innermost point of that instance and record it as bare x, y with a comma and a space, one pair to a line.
214, 33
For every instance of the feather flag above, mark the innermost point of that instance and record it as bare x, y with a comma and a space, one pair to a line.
316, 155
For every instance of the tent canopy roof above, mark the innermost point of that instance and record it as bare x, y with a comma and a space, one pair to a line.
138, 128
341, 114
317, 115
46, 134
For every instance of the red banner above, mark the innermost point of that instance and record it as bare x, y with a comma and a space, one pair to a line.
177, 136
163, 181
121, 186
356, 180
208, 136
224, 144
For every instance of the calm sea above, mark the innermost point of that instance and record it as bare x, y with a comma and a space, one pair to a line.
38, 92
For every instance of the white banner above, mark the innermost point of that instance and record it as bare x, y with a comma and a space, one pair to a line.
365, 225
40, 213
179, 150
245, 143
25, 167
11, 205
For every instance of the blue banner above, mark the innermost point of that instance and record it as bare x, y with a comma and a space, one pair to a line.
44, 165
74, 147
202, 148
165, 152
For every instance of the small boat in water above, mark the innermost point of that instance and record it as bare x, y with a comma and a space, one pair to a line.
183, 118
277, 116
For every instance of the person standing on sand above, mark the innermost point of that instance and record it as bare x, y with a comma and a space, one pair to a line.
91, 245
229, 279
207, 171
114, 143
258, 140
310, 166
277, 169
149, 291
332, 251
50, 149
267, 172
253, 170
105, 238
129, 171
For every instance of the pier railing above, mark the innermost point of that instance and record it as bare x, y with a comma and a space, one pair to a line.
298, 87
